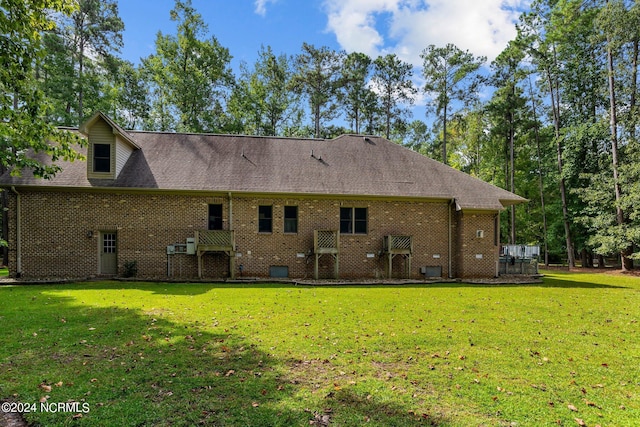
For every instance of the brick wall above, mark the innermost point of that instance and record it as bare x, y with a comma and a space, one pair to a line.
477, 247
60, 235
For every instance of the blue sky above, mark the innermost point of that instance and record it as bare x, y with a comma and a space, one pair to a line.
375, 27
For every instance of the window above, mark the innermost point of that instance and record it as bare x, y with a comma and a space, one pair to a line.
290, 219
353, 220
265, 219
101, 158
215, 217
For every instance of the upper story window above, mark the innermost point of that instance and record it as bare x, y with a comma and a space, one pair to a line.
353, 220
215, 217
102, 158
290, 219
265, 219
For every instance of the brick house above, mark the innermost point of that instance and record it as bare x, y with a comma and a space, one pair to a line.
217, 206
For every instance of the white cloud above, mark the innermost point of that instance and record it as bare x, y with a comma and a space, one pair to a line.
261, 6
407, 27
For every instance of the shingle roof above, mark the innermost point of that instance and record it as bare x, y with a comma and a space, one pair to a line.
349, 165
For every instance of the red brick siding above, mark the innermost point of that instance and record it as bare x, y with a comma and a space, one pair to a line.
476, 256
55, 242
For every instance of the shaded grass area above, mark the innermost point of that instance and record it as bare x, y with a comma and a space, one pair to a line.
221, 354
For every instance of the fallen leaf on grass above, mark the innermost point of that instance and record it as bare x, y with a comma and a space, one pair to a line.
45, 387
76, 416
580, 422
572, 408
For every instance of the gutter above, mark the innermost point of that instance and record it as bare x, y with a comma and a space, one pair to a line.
18, 234
230, 212
451, 202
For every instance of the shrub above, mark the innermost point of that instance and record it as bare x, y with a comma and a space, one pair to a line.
130, 269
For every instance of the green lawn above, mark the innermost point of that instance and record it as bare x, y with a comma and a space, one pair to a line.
265, 355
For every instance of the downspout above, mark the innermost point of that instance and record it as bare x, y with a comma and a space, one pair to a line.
18, 234
232, 254
496, 240
230, 212
453, 200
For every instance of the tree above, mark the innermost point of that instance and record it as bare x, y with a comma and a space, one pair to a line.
507, 106
355, 93
74, 70
618, 28
470, 128
392, 80
132, 98
416, 137
533, 37
450, 75
58, 80
317, 77
188, 76
541, 170
261, 100
24, 131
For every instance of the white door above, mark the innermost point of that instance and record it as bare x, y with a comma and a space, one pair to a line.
108, 253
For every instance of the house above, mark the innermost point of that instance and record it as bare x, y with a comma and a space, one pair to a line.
181, 205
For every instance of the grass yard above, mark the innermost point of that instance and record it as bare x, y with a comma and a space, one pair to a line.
563, 353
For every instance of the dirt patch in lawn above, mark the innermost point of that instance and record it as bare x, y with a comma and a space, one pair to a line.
11, 419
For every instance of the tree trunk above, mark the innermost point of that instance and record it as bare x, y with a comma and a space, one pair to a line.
512, 174
80, 83
540, 175
5, 225
444, 136
634, 88
563, 191
316, 113
584, 258
627, 263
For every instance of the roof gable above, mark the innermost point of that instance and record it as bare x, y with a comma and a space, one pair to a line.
117, 130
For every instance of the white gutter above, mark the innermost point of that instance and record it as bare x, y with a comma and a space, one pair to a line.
18, 234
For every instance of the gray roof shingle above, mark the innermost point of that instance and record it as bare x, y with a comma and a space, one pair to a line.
349, 165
